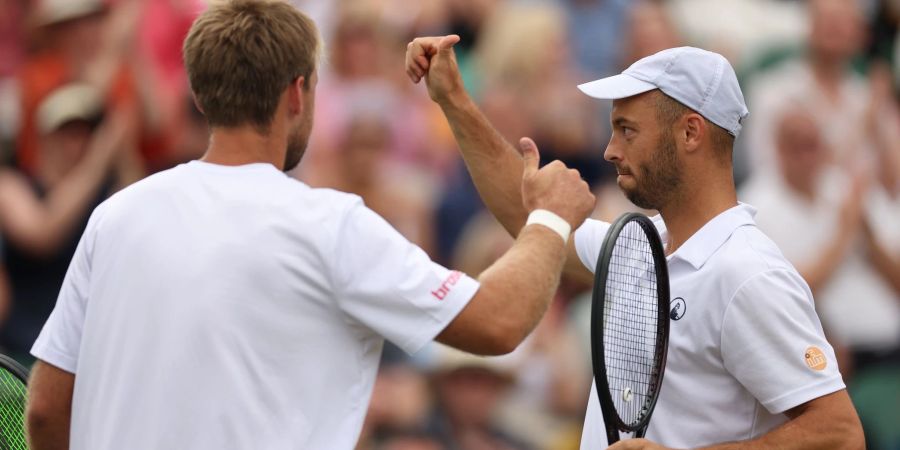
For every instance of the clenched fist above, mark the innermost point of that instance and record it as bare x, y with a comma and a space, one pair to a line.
433, 58
554, 187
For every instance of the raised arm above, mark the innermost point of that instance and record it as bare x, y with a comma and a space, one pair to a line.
882, 259
41, 225
516, 290
818, 269
495, 165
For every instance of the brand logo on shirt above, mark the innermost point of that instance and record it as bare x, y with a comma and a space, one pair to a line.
679, 307
443, 291
815, 359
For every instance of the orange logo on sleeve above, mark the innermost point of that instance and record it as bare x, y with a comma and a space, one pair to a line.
815, 359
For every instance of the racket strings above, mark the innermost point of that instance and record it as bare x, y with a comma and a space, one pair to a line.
12, 412
630, 325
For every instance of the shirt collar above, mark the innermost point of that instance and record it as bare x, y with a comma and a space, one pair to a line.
699, 247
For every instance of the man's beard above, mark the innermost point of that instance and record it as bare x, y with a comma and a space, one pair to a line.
296, 147
660, 178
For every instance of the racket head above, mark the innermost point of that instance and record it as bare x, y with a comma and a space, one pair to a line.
632, 251
13, 395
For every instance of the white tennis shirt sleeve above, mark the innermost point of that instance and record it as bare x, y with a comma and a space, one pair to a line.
773, 343
588, 240
390, 285
60, 339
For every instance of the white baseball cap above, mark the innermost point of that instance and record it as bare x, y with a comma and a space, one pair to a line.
701, 80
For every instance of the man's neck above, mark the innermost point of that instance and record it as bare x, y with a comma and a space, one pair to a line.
694, 208
245, 145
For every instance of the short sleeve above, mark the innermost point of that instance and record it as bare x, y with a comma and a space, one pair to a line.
391, 286
588, 241
60, 339
773, 343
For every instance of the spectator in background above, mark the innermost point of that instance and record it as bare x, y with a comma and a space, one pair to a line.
469, 389
95, 42
559, 117
365, 49
162, 28
401, 404
882, 126
393, 193
12, 36
740, 29
594, 34
321, 11
650, 30
884, 29
410, 440
841, 230
160, 81
467, 19
12, 52
43, 215
855, 121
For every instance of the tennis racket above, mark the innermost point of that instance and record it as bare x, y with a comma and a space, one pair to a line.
629, 324
13, 392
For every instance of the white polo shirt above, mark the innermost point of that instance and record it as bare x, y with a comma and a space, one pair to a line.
214, 307
745, 344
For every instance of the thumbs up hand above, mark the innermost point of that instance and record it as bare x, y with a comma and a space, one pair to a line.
554, 187
433, 59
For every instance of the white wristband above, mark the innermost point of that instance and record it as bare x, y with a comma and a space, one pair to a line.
551, 221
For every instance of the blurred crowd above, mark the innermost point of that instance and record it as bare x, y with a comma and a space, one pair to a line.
93, 96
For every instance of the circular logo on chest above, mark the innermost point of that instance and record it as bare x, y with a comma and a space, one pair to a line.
678, 308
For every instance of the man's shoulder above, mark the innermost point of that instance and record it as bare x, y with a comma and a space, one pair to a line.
178, 179
145, 186
749, 253
152, 182
331, 197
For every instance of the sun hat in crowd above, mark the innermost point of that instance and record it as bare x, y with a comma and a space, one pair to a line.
76, 101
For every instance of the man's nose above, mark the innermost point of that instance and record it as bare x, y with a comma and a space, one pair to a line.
612, 153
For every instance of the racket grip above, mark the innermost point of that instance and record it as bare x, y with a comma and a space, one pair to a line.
552, 221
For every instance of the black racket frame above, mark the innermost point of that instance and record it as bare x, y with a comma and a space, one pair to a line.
611, 418
13, 367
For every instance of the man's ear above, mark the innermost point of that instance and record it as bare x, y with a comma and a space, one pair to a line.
694, 131
296, 91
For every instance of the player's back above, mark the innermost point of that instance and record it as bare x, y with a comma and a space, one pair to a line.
211, 319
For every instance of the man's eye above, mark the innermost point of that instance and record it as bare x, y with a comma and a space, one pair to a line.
627, 131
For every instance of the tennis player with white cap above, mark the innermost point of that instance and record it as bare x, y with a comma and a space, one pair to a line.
748, 363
